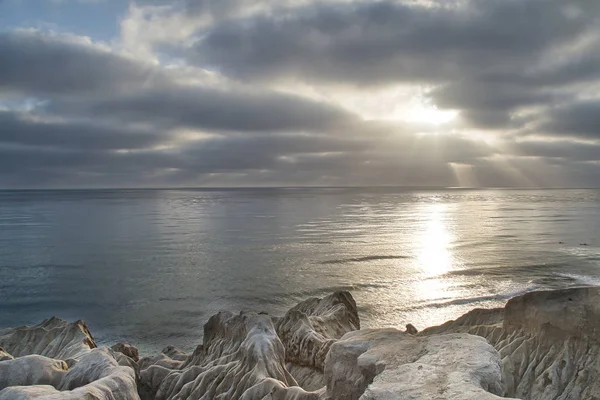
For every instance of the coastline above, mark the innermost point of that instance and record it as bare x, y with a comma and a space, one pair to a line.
541, 345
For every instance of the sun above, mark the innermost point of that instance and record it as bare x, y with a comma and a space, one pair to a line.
430, 115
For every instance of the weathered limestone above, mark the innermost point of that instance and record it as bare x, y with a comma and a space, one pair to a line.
308, 330
4, 355
542, 345
56, 360
389, 364
548, 341
53, 338
241, 358
32, 370
128, 350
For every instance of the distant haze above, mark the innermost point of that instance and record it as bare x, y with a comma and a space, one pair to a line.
160, 93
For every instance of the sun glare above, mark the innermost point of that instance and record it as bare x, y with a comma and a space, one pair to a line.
431, 115
435, 257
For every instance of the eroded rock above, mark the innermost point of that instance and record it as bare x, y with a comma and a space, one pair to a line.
97, 375
241, 358
546, 347
548, 341
58, 360
128, 350
389, 364
308, 330
53, 338
4, 355
32, 370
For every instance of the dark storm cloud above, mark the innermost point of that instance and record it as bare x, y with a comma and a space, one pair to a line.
33, 62
214, 109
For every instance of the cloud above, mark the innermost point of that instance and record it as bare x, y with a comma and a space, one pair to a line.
300, 92
369, 43
214, 109
23, 130
580, 119
45, 64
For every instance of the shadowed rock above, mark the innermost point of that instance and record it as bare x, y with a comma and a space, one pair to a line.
128, 350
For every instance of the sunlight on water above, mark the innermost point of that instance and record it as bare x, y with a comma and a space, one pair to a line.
435, 256
150, 267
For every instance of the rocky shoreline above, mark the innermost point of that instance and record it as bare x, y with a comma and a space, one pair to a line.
541, 345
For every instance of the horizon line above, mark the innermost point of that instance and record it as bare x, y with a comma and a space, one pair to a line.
424, 187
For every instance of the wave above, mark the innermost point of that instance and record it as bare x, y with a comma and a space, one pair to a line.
363, 259
506, 270
581, 279
476, 299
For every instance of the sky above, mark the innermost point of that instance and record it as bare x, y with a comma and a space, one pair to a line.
181, 93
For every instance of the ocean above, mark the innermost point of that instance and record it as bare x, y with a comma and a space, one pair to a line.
149, 267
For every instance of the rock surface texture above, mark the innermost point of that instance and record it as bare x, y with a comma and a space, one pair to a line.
549, 342
389, 364
57, 360
542, 345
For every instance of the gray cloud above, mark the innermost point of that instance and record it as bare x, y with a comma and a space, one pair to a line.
214, 109
379, 42
16, 129
487, 58
33, 62
581, 119
512, 67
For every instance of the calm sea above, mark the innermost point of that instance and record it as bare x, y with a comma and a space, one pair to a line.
151, 266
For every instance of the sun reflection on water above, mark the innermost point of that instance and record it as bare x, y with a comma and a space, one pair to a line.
434, 255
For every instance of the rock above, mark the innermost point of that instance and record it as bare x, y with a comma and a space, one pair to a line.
4, 355
387, 364
308, 378
127, 349
548, 341
310, 328
545, 346
32, 370
241, 358
410, 329
53, 338
96, 375
59, 360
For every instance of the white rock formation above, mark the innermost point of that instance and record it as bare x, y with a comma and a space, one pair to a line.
389, 364
241, 358
244, 357
56, 360
546, 347
53, 338
549, 342
32, 370
309, 329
